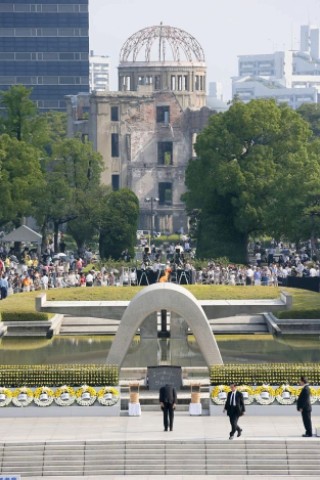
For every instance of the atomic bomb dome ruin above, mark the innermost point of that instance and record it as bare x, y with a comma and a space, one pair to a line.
146, 130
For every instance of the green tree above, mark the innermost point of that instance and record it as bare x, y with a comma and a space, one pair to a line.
72, 176
20, 179
249, 176
311, 113
19, 112
119, 224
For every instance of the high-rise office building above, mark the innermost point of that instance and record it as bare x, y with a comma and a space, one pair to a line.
44, 45
291, 77
99, 67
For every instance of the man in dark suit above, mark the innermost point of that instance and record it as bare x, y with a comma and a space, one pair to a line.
234, 407
304, 406
168, 400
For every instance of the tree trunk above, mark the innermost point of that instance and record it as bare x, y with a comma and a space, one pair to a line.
55, 236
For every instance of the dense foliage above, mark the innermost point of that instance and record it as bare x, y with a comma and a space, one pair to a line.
257, 172
56, 180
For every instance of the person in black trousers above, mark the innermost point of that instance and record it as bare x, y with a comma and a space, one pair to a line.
168, 400
304, 406
234, 407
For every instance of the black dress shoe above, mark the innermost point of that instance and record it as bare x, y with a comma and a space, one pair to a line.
165, 430
231, 437
306, 435
239, 432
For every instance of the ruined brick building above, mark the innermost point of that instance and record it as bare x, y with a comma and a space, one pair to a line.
146, 130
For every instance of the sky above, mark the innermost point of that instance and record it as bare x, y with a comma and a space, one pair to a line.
224, 28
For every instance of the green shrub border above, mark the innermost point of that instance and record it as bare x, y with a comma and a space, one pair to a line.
264, 373
57, 375
24, 316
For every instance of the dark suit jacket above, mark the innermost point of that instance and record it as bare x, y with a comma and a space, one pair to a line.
303, 401
167, 394
240, 407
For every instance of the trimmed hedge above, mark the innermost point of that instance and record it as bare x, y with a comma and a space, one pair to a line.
264, 373
57, 375
299, 314
24, 316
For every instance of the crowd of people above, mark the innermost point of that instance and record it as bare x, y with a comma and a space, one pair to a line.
32, 271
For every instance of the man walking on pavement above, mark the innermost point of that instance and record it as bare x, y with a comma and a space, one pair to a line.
235, 408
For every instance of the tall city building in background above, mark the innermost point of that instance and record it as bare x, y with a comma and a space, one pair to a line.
99, 66
44, 45
291, 77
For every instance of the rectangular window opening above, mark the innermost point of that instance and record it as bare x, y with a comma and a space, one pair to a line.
114, 114
163, 114
115, 180
165, 193
165, 151
114, 144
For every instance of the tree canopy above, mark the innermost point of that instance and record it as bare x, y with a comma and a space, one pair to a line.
254, 170
56, 179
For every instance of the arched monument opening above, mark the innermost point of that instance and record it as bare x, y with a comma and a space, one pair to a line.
173, 298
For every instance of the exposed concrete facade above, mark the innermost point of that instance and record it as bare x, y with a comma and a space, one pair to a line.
146, 130
170, 297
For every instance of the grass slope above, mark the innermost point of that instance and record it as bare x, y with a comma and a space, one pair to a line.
306, 304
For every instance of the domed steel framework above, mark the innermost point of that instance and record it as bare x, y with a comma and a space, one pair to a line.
178, 41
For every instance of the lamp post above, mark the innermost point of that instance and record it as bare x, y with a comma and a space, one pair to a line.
151, 200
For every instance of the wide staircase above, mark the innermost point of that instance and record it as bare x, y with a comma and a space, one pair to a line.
163, 457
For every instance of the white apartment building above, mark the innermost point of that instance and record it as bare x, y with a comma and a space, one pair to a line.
99, 72
289, 76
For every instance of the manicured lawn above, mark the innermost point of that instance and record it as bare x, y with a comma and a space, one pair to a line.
306, 304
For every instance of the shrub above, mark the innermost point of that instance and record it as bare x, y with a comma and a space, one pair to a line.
23, 316
56, 375
264, 373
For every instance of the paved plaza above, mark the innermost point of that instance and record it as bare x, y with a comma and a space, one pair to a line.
149, 427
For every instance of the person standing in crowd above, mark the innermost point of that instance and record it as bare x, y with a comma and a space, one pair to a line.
235, 408
168, 400
3, 287
304, 406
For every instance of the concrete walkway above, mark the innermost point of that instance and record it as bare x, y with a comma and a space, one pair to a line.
149, 427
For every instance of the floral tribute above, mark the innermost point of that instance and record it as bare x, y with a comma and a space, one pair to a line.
264, 395
5, 396
108, 396
86, 395
43, 396
219, 394
22, 397
286, 395
248, 393
64, 396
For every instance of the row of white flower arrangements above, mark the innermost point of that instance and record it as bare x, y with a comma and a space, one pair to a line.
264, 394
63, 396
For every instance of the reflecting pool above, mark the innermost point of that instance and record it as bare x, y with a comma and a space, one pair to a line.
153, 351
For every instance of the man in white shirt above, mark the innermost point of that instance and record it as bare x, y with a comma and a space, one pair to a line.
89, 280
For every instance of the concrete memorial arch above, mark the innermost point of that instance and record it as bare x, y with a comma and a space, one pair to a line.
171, 297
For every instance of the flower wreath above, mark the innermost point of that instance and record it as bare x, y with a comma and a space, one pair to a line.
264, 401
286, 389
86, 395
216, 394
248, 399
314, 394
5, 396
22, 397
108, 396
64, 396
43, 396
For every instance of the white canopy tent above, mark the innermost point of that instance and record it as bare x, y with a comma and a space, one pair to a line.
23, 234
